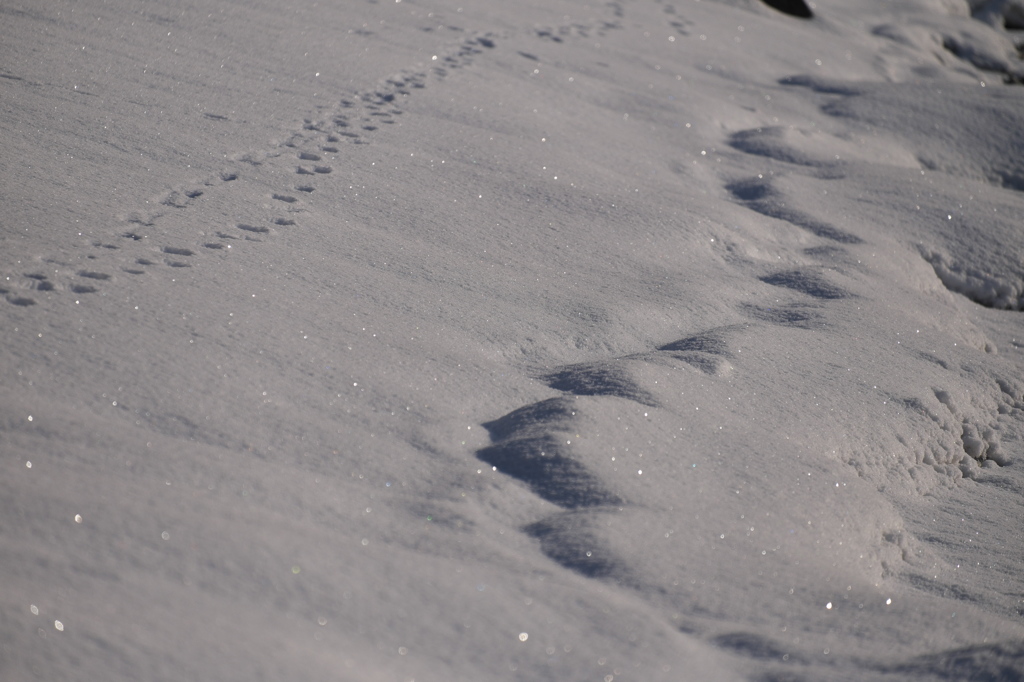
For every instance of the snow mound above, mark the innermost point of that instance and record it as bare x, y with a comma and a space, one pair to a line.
977, 283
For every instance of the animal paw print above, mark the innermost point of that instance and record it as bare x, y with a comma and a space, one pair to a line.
10, 291
315, 169
42, 282
16, 291
145, 243
91, 277
181, 199
368, 112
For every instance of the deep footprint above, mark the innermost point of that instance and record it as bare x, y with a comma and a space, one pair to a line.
598, 379
806, 282
526, 448
759, 195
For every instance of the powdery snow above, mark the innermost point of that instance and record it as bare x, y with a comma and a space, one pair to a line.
511, 341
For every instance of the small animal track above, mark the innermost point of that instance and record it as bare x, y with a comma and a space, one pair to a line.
42, 282
313, 147
576, 30
355, 119
366, 112
182, 199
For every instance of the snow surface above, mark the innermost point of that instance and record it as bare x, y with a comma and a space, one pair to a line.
548, 340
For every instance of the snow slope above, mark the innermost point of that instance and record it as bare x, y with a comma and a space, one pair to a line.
541, 340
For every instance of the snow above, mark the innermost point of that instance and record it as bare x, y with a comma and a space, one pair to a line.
540, 340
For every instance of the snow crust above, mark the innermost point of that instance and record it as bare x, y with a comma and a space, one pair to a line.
427, 340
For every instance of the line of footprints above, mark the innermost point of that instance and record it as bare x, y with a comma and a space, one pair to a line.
352, 120
140, 247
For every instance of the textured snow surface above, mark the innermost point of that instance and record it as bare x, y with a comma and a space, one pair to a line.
547, 340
